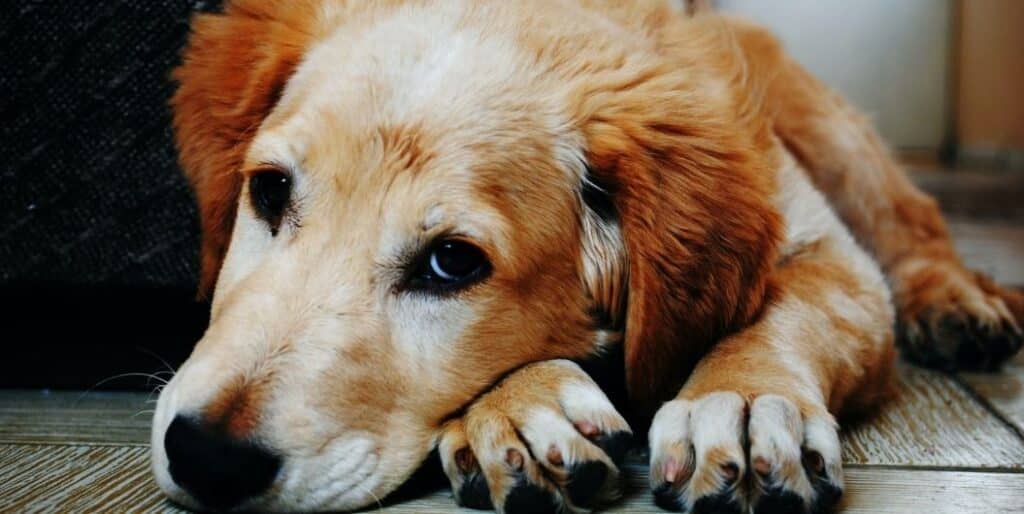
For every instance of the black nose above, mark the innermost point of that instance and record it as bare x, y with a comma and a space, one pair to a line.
218, 470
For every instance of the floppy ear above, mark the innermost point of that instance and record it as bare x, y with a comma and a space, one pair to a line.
233, 70
691, 193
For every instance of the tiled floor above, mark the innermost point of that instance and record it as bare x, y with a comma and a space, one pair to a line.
944, 444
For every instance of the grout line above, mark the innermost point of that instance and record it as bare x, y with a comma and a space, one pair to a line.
7, 442
987, 405
929, 467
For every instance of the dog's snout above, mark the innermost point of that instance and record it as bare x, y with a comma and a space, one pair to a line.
218, 470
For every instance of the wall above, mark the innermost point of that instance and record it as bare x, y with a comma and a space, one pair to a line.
991, 80
889, 57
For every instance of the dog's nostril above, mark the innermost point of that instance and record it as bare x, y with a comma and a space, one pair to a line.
218, 470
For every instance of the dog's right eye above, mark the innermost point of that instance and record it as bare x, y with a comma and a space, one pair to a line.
269, 192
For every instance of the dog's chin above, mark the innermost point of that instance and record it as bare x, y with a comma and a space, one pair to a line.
345, 475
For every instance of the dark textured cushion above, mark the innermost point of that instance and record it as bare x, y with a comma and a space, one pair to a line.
98, 231
91, 189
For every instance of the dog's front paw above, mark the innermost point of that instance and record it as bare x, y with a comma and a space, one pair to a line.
545, 439
951, 318
709, 456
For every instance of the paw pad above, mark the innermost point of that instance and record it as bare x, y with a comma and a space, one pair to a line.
779, 501
585, 480
666, 497
514, 458
527, 498
722, 503
520, 449
957, 341
474, 493
701, 451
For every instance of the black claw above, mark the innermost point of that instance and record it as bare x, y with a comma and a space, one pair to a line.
615, 445
527, 498
474, 493
585, 481
721, 503
777, 500
667, 498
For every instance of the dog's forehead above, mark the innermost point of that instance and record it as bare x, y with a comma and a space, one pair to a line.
420, 83
447, 121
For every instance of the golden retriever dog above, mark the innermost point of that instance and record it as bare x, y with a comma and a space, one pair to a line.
455, 225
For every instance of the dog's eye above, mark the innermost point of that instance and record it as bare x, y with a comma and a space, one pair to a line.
449, 265
269, 192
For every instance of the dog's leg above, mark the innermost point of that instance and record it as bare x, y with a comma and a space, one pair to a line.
753, 428
545, 439
948, 315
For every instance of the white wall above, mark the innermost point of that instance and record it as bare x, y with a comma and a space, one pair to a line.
889, 57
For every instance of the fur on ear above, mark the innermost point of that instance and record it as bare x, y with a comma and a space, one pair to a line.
604, 269
233, 71
691, 186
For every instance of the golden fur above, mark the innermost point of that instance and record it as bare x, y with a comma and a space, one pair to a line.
732, 288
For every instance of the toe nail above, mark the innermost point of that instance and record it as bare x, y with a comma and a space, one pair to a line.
555, 456
762, 466
671, 470
814, 461
587, 428
514, 458
465, 460
730, 471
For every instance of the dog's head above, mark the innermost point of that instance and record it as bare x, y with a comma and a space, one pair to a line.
400, 205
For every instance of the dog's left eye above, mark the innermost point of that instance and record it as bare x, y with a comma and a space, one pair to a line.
269, 193
449, 265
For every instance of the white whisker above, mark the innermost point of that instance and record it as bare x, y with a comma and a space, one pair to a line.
149, 376
376, 499
170, 369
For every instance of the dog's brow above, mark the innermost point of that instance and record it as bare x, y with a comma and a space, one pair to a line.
434, 216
